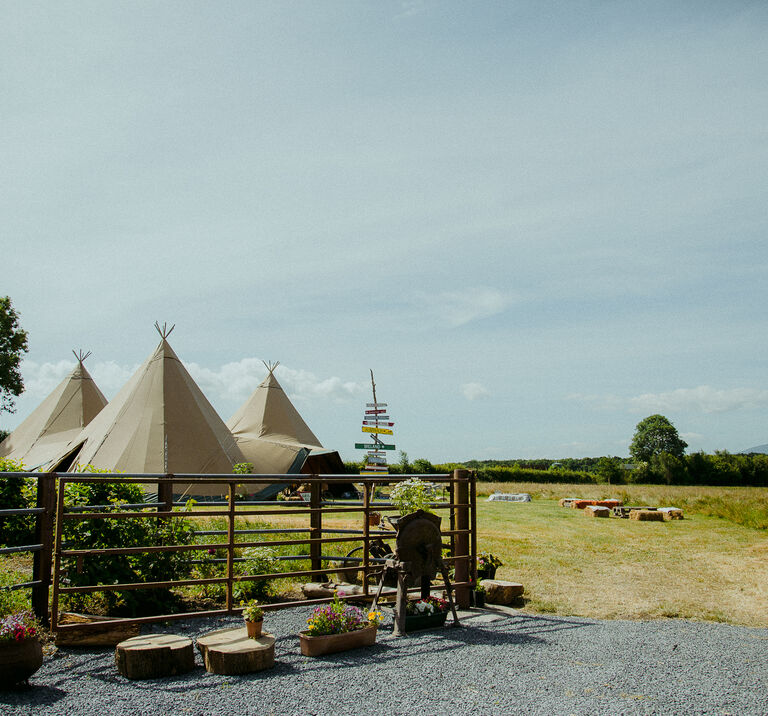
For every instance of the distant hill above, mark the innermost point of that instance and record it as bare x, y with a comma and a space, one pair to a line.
760, 448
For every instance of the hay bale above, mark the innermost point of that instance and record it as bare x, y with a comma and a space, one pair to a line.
671, 513
646, 515
567, 501
596, 511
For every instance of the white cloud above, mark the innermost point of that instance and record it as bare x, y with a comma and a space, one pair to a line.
474, 391
703, 399
457, 308
237, 380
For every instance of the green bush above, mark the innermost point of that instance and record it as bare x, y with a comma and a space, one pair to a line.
120, 569
16, 493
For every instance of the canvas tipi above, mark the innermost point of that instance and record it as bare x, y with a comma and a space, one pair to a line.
159, 422
57, 420
274, 437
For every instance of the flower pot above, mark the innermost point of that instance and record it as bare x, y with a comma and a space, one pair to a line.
332, 643
478, 598
486, 572
254, 628
19, 660
414, 622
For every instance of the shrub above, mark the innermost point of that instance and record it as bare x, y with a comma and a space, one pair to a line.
112, 533
16, 493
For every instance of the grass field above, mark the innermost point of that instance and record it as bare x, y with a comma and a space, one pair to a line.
711, 566
704, 567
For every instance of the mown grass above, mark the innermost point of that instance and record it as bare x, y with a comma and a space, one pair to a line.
713, 565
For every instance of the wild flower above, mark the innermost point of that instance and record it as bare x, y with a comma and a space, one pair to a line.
338, 618
430, 605
18, 626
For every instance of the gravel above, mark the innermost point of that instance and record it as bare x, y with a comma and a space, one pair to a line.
501, 662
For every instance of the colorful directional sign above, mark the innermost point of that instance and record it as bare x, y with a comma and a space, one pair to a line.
373, 424
380, 431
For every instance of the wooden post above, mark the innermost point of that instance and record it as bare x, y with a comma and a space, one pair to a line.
165, 495
41, 570
473, 525
461, 565
402, 597
315, 524
231, 546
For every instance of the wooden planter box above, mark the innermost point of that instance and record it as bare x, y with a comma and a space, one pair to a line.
414, 622
19, 660
332, 643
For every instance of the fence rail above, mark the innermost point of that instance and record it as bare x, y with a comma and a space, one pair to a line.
308, 528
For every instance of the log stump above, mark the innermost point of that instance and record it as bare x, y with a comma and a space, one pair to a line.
231, 651
498, 591
154, 655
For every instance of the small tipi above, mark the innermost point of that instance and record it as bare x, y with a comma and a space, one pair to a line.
159, 422
274, 437
72, 405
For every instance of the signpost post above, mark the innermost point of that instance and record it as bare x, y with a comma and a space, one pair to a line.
374, 424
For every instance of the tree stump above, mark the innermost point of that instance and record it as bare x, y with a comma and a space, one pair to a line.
498, 591
154, 655
231, 651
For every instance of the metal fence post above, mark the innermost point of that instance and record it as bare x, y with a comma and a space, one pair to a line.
315, 524
41, 570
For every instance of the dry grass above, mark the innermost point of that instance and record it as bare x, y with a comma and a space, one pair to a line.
702, 567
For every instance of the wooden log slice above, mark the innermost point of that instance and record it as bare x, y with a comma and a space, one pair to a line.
154, 655
231, 651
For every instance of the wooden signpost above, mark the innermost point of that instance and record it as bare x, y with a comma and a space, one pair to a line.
373, 424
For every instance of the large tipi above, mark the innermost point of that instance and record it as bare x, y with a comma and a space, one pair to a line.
272, 435
59, 419
159, 422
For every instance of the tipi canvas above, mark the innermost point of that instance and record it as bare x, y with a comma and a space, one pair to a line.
56, 421
159, 422
272, 435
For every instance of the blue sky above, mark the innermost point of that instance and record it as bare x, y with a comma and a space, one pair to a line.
537, 222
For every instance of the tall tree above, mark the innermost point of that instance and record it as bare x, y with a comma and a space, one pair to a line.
13, 343
655, 435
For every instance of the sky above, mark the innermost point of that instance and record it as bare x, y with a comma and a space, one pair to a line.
536, 222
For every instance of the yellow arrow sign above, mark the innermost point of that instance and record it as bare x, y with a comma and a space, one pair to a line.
380, 431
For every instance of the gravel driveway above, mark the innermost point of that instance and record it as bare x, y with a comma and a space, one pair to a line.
501, 662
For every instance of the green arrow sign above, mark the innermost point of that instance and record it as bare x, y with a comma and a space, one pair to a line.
373, 446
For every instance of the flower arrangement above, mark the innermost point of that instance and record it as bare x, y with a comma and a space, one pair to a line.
412, 495
486, 560
430, 605
18, 626
252, 612
339, 618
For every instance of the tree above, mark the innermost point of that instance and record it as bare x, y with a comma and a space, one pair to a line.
13, 343
655, 435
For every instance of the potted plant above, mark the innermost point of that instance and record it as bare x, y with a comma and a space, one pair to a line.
338, 626
21, 653
478, 595
254, 618
410, 496
425, 613
487, 564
